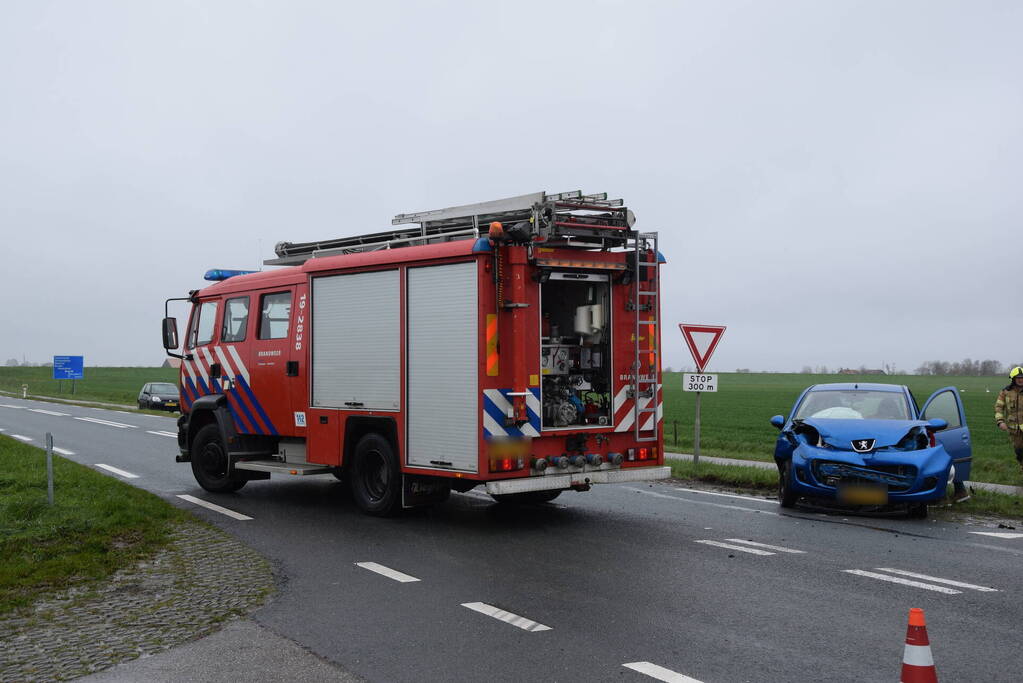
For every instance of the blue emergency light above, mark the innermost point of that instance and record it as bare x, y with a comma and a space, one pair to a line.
219, 274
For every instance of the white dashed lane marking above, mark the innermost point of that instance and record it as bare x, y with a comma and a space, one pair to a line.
107, 423
998, 534
935, 579
47, 412
63, 451
19, 437
732, 546
216, 508
507, 617
386, 571
8, 405
659, 672
171, 434
778, 548
118, 472
920, 584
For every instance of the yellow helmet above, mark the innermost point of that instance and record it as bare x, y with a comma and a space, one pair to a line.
1015, 372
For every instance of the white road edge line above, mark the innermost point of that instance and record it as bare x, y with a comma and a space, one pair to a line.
659, 672
904, 582
106, 422
779, 548
935, 579
47, 412
751, 551
214, 507
702, 502
386, 571
769, 501
120, 473
507, 617
19, 437
63, 451
996, 534
162, 433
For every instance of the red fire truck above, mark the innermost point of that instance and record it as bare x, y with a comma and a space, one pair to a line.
511, 344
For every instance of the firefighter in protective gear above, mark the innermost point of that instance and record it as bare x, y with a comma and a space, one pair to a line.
1009, 412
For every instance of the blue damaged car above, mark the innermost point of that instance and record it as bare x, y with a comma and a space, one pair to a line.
869, 445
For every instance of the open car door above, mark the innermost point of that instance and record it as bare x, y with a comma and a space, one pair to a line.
946, 404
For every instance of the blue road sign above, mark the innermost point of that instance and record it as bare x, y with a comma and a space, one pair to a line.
68, 367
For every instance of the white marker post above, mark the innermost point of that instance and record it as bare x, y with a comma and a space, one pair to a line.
49, 468
699, 382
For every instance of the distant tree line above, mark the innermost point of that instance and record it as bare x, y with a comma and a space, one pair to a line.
967, 366
15, 363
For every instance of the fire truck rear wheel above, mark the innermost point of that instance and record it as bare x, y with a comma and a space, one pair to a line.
209, 462
529, 497
374, 476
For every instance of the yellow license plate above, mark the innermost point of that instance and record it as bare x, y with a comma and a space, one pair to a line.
863, 495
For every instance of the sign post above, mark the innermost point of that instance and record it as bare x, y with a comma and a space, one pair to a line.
701, 340
68, 367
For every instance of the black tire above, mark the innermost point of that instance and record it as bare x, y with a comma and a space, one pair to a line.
527, 498
140, 405
786, 496
917, 511
374, 476
209, 462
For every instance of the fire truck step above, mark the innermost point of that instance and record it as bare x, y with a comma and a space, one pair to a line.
278, 467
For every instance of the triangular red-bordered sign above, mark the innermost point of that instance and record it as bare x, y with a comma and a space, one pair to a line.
701, 357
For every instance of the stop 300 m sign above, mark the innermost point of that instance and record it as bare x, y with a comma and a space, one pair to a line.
692, 381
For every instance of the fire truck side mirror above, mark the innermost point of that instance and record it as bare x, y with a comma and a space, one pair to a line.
170, 333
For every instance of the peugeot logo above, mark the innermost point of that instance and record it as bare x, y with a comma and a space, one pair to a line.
863, 445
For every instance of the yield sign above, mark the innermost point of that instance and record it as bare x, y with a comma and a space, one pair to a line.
701, 340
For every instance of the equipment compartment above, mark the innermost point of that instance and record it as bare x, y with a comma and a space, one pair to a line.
575, 350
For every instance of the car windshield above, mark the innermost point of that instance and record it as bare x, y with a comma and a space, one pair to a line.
164, 389
853, 405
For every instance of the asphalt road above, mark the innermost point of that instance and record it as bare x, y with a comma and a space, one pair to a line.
623, 583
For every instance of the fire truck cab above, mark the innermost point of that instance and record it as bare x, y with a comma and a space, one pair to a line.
512, 344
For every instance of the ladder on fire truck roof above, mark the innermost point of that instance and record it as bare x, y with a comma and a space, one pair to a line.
566, 218
646, 298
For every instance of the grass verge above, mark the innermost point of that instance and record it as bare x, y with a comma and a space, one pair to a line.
96, 525
761, 481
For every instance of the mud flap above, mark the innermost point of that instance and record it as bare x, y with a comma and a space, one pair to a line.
419, 490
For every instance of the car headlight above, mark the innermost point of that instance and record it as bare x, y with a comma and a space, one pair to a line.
157, 399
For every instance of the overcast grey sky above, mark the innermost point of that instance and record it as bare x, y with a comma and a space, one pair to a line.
838, 182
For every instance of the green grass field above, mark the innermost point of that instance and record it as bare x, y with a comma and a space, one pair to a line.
734, 420
96, 525
110, 385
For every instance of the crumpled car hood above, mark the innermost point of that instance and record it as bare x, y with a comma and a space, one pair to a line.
841, 433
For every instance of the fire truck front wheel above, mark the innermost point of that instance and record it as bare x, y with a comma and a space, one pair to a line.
209, 462
374, 476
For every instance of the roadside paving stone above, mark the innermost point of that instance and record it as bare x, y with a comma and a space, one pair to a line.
191, 588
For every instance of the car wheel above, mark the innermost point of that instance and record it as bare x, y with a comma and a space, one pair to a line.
786, 496
140, 404
210, 462
374, 476
917, 511
526, 498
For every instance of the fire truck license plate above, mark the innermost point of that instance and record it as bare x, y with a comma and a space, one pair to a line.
862, 494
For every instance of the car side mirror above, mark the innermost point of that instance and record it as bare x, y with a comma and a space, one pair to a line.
937, 424
170, 333
778, 421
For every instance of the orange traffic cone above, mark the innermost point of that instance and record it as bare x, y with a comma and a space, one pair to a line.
917, 663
